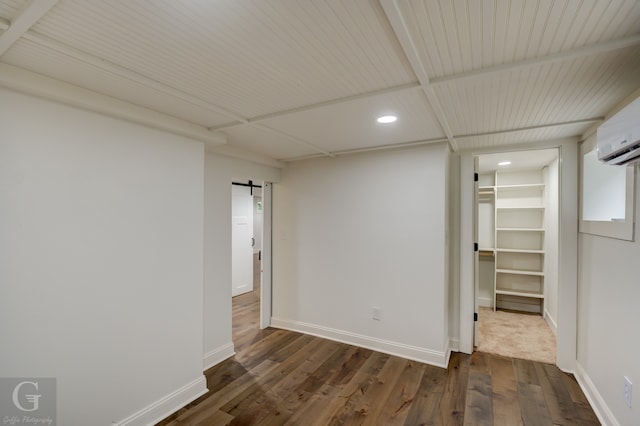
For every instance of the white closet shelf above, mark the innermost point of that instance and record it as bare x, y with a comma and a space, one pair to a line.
520, 208
512, 250
521, 229
520, 187
520, 272
520, 293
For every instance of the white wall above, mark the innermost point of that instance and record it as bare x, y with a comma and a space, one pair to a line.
608, 318
551, 212
349, 234
101, 225
219, 173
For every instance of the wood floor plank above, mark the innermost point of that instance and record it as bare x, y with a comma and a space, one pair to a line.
368, 408
314, 410
557, 397
355, 389
350, 367
300, 371
396, 408
479, 408
425, 405
506, 405
581, 404
525, 372
454, 395
261, 392
208, 407
280, 377
533, 405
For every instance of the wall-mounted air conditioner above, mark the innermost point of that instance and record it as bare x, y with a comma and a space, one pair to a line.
619, 136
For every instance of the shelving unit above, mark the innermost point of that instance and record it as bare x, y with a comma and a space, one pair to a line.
519, 241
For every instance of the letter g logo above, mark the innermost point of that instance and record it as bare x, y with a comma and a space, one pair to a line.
33, 399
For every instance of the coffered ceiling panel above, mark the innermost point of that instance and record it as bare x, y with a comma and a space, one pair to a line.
272, 144
545, 94
523, 136
352, 125
463, 35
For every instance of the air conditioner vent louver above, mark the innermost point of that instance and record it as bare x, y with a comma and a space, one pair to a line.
619, 136
623, 156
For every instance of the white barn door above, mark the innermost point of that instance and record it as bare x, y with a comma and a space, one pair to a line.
241, 240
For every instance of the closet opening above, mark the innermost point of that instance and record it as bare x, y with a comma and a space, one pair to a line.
516, 289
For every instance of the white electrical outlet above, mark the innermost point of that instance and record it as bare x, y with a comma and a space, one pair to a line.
376, 313
627, 390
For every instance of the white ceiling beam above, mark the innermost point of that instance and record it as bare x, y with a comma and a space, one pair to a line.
536, 127
399, 26
566, 55
129, 74
25, 19
232, 151
394, 89
291, 138
400, 145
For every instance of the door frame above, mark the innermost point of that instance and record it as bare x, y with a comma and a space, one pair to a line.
567, 247
267, 255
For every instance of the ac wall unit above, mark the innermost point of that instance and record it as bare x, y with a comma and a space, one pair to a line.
619, 136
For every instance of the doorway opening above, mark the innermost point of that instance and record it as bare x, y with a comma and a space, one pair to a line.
251, 253
516, 283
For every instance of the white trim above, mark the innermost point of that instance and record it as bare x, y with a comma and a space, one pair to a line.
218, 355
454, 345
427, 356
551, 322
267, 255
600, 407
167, 405
485, 302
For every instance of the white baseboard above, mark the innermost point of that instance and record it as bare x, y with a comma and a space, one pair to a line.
552, 322
218, 355
485, 302
600, 407
427, 356
167, 405
454, 345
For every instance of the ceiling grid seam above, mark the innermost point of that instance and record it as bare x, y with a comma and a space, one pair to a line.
399, 26
588, 50
26, 18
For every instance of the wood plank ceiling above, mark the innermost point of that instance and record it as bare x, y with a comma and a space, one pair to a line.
289, 79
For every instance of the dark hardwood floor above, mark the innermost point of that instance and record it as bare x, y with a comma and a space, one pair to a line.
279, 377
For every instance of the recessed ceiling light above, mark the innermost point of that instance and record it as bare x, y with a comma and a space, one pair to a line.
385, 119
504, 163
